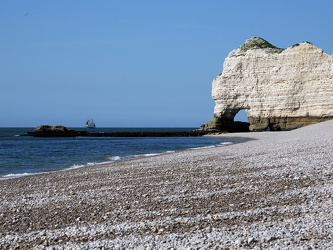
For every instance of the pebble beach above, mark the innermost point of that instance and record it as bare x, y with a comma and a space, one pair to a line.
272, 192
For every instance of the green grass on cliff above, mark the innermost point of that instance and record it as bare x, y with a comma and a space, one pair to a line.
259, 43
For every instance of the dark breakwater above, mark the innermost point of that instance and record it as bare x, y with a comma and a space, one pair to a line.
62, 131
143, 134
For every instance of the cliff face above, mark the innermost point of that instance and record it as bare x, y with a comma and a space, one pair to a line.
280, 89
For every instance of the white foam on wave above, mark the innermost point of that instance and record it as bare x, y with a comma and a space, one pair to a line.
151, 154
9, 176
115, 158
90, 164
213, 146
75, 166
12, 176
226, 143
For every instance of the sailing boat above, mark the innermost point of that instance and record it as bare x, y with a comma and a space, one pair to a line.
90, 123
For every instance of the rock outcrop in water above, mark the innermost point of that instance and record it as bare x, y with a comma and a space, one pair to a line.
280, 89
54, 131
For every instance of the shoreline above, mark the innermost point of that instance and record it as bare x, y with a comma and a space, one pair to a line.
118, 158
273, 191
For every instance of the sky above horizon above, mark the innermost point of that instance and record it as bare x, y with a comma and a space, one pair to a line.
135, 63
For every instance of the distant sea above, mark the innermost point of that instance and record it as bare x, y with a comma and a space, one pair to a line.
25, 155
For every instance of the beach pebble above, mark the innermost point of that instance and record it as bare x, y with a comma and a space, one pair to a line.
274, 192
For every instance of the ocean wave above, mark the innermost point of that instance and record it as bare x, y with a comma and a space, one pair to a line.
115, 158
75, 166
214, 146
226, 143
12, 176
152, 154
110, 159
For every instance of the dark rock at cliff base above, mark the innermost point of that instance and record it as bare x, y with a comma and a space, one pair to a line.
54, 131
217, 125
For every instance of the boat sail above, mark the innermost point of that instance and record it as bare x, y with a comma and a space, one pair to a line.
90, 123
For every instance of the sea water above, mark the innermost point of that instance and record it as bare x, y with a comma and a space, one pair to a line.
24, 155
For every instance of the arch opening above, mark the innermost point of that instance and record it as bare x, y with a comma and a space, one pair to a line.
241, 116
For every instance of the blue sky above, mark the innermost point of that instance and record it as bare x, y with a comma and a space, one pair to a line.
129, 63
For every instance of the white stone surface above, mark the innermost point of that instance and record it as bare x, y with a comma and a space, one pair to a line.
296, 82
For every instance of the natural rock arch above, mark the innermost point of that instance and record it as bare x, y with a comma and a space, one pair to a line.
280, 89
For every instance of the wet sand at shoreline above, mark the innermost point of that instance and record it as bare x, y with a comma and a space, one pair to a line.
273, 191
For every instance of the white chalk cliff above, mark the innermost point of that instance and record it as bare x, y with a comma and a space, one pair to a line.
280, 89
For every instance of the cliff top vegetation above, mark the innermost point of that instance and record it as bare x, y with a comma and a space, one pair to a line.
259, 43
